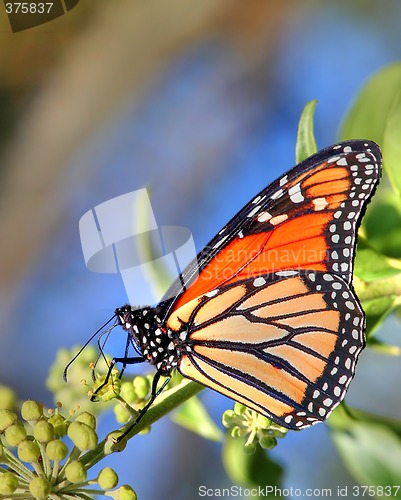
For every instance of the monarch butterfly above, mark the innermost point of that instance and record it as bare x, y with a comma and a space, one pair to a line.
266, 314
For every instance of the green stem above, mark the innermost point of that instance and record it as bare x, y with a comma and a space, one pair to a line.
167, 401
344, 416
385, 287
17, 466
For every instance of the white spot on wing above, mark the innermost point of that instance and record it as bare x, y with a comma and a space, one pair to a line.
286, 273
295, 193
254, 211
264, 216
278, 219
259, 281
320, 203
333, 159
277, 194
221, 241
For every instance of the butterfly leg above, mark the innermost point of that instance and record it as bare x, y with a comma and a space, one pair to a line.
153, 395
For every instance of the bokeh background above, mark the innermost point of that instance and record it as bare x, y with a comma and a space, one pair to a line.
200, 102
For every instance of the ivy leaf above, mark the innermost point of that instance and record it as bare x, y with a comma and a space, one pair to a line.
391, 144
382, 225
376, 311
306, 144
372, 453
367, 118
371, 265
193, 416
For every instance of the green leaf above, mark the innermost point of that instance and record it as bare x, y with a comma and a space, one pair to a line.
370, 265
193, 416
378, 298
306, 144
250, 470
376, 311
364, 416
392, 144
382, 225
344, 417
367, 118
383, 348
372, 453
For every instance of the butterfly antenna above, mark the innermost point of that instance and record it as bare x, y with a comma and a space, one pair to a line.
86, 344
101, 354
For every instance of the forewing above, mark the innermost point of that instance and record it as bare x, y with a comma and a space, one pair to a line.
307, 219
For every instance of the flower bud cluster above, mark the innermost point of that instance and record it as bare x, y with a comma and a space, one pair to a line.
35, 461
254, 428
75, 391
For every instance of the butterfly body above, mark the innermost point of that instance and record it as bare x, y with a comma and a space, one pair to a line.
267, 314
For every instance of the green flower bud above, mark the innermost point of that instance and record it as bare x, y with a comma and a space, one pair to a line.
75, 472
43, 431
125, 492
15, 434
7, 418
40, 487
256, 429
122, 415
227, 418
107, 479
239, 409
128, 392
87, 418
56, 450
278, 431
28, 451
60, 425
142, 387
263, 422
8, 483
31, 410
236, 432
268, 442
109, 391
7, 398
83, 436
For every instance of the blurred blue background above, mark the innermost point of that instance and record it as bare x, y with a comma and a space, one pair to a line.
199, 102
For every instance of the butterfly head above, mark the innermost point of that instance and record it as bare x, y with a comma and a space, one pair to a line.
150, 336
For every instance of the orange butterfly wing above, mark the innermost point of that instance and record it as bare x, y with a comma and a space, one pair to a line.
307, 219
284, 344
266, 314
